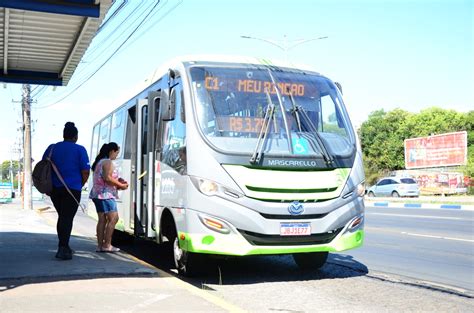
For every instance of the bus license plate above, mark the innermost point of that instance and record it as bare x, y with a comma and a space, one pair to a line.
295, 229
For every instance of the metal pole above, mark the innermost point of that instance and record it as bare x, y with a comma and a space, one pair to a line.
18, 172
11, 172
26, 101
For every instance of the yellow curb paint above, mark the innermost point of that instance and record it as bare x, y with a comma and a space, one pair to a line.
194, 290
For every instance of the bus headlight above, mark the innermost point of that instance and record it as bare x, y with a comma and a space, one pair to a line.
361, 189
211, 188
207, 187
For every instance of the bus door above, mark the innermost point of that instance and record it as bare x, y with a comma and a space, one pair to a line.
147, 126
130, 152
141, 169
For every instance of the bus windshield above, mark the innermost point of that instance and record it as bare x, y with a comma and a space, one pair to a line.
282, 111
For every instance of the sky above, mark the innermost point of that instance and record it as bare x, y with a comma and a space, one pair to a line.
386, 54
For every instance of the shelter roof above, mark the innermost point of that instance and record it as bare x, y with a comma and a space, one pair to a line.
43, 41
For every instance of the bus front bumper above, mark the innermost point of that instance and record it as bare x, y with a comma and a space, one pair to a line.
205, 240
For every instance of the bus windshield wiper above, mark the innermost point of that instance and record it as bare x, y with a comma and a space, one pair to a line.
295, 112
324, 151
296, 109
283, 115
262, 136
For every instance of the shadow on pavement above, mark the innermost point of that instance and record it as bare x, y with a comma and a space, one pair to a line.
240, 270
29, 258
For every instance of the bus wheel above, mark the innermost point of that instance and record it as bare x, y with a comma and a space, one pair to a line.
310, 260
395, 194
185, 262
371, 194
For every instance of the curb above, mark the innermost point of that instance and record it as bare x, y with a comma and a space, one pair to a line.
420, 205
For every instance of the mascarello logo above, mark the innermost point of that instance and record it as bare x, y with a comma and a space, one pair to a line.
296, 208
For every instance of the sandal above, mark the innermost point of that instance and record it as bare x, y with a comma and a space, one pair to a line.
111, 250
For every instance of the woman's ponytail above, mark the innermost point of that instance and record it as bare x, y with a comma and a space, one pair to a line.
103, 154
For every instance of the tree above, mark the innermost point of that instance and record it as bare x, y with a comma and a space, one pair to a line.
469, 168
382, 136
5, 170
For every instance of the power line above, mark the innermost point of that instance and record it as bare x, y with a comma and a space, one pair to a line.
158, 20
100, 45
103, 45
112, 16
142, 22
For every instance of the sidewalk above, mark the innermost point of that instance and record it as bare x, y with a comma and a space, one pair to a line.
32, 279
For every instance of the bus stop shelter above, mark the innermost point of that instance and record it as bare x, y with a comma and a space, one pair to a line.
42, 43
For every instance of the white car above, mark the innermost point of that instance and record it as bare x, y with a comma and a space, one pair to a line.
394, 187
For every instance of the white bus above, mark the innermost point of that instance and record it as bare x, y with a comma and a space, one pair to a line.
238, 156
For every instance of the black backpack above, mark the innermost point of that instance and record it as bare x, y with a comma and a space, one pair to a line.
42, 174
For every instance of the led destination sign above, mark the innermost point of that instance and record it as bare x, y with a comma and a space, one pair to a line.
240, 124
253, 86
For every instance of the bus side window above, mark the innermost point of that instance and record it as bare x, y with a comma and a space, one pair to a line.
174, 137
95, 141
144, 129
104, 133
131, 119
118, 130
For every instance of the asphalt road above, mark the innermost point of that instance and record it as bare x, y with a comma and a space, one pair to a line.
395, 271
433, 245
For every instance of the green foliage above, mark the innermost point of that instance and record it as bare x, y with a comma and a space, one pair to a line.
382, 136
5, 171
469, 168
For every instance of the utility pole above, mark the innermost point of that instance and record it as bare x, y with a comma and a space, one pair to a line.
285, 44
26, 109
11, 170
19, 168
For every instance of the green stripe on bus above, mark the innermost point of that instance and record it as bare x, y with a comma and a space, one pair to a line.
286, 190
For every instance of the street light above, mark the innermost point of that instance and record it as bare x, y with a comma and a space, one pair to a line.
284, 44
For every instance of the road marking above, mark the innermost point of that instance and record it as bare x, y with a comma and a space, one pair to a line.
436, 237
384, 230
189, 287
172, 279
147, 303
417, 216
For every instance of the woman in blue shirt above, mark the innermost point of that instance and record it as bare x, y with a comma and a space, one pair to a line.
72, 163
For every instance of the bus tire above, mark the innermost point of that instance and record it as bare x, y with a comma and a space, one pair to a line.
186, 262
310, 260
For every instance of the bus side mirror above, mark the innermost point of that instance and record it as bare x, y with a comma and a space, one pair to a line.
168, 106
338, 86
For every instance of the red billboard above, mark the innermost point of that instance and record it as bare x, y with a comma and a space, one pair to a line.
436, 151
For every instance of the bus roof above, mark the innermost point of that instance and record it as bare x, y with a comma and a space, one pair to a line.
174, 62
161, 70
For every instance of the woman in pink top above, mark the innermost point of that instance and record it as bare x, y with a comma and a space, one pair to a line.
103, 193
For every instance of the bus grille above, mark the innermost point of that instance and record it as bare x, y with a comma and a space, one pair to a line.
289, 201
277, 240
288, 190
292, 217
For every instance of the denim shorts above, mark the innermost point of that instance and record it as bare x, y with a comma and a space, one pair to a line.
105, 205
